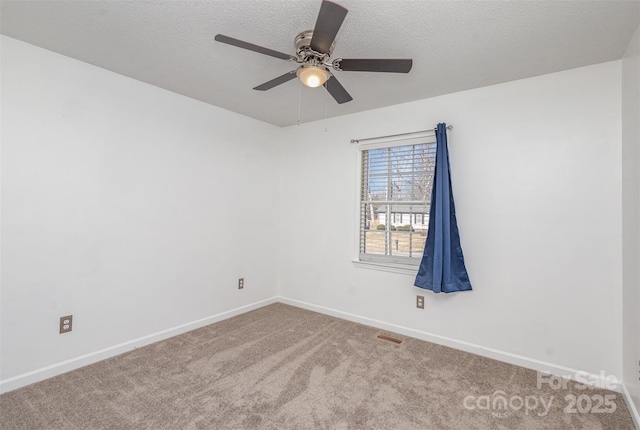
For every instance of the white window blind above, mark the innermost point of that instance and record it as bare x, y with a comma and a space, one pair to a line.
395, 197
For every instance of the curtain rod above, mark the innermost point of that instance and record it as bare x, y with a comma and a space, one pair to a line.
449, 127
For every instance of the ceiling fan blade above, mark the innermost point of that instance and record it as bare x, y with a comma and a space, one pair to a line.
329, 20
251, 47
277, 81
398, 65
337, 91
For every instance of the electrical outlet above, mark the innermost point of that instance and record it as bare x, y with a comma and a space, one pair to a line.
66, 324
240, 283
420, 302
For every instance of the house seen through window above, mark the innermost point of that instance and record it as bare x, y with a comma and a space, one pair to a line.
395, 197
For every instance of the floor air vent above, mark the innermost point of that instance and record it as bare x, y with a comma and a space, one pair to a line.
389, 339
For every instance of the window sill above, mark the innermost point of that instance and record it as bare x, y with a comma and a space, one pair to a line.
405, 269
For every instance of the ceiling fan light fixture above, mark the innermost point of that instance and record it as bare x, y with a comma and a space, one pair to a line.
313, 76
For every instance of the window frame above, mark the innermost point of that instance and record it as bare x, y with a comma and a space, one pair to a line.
395, 263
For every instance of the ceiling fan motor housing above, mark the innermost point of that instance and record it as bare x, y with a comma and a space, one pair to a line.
302, 42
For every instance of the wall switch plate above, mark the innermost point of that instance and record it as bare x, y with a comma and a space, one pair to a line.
240, 283
420, 302
66, 324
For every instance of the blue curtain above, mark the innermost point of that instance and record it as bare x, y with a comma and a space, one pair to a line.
442, 268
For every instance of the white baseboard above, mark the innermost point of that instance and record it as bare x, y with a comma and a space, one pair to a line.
632, 407
93, 357
495, 354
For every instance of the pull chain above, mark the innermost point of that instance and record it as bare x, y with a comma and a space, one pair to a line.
299, 99
325, 114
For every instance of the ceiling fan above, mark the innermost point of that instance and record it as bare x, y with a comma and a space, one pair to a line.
313, 53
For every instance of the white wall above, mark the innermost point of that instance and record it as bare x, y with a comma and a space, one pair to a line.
631, 215
537, 182
124, 205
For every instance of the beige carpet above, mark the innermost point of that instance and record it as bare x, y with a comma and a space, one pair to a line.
280, 367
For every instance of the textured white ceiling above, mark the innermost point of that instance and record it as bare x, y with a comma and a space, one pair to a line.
455, 45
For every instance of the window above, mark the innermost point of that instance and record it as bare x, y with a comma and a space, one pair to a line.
395, 195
